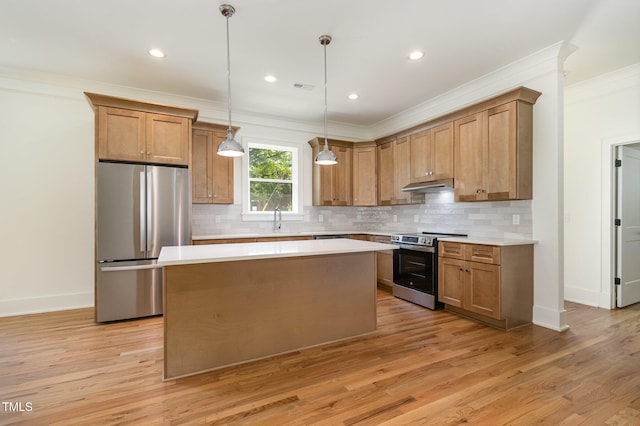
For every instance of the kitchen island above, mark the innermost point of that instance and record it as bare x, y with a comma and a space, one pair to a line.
227, 304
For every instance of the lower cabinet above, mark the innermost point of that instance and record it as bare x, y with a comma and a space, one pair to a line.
384, 260
491, 284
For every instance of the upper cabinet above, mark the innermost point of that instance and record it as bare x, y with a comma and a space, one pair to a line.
364, 174
493, 152
394, 173
351, 182
211, 174
332, 184
128, 130
432, 154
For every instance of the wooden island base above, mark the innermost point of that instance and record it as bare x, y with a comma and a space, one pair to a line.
224, 313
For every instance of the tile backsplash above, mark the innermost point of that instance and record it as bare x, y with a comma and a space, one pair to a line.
501, 219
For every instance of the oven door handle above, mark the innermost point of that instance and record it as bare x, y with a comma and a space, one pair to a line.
424, 249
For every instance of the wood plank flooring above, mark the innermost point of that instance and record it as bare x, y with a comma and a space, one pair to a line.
419, 367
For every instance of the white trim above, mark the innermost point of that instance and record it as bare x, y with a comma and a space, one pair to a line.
550, 318
607, 287
36, 305
297, 170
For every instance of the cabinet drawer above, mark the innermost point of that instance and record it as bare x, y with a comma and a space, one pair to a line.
483, 254
451, 250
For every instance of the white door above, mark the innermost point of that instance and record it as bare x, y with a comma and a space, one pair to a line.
628, 232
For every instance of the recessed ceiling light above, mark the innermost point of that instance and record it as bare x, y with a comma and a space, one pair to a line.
270, 79
353, 96
156, 53
416, 54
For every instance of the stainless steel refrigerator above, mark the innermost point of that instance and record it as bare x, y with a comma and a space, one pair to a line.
140, 208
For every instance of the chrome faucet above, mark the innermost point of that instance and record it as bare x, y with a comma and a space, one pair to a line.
277, 219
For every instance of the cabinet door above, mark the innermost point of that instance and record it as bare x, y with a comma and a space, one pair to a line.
451, 279
385, 174
384, 267
502, 162
364, 176
482, 292
341, 183
420, 156
201, 192
323, 190
402, 166
469, 154
221, 171
121, 134
441, 152
167, 139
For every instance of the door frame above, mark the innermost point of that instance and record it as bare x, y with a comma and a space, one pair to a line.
607, 286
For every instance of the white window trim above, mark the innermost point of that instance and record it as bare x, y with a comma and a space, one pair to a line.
297, 157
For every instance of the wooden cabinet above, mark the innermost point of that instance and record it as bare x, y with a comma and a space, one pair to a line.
364, 174
394, 172
384, 260
211, 174
129, 130
488, 283
432, 154
332, 184
493, 154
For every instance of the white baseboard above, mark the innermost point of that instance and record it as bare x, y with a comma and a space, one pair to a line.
35, 305
596, 299
549, 318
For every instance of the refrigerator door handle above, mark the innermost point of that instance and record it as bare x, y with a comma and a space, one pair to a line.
151, 225
128, 268
143, 224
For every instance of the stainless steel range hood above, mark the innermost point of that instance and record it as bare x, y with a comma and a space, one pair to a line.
433, 186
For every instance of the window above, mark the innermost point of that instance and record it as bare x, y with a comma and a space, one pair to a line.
272, 180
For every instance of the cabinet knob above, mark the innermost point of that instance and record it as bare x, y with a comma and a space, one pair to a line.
148, 152
210, 196
141, 152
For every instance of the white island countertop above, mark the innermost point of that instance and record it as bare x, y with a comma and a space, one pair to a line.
183, 255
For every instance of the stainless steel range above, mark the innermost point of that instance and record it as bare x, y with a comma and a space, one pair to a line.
415, 267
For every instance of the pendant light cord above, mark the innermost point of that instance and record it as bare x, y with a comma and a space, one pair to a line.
228, 76
325, 94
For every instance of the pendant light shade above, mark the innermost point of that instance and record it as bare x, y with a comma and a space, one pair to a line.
325, 157
229, 147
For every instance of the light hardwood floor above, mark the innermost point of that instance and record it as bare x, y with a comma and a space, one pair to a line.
419, 367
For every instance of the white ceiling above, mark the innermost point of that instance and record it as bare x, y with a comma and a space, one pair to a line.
107, 41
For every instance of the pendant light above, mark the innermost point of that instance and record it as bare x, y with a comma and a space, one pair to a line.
325, 157
229, 147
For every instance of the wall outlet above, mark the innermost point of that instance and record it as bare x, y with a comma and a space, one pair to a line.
416, 218
516, 219
395, 218
320, 218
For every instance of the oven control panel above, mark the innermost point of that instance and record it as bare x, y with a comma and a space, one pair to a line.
419, 240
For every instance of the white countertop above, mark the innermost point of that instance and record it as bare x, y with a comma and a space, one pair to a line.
490, 241
286, 234
182, 255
